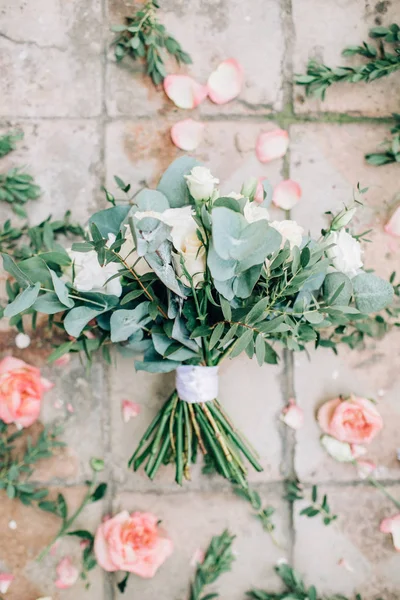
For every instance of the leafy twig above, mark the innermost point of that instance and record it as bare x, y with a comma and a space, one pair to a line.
146, 38
264, 515
7, 142
391, 154
16, 188
218, 560
295, 491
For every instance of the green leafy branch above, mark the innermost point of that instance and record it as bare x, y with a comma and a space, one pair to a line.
264, 515
295, 491
144, 37
391, 154
218, 560
381, 62
8, 142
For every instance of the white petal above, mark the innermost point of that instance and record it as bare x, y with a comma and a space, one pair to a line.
271, 145
184, 91
225, 83
187, 134
286, 194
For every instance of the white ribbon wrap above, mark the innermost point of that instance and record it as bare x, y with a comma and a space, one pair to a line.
196, 384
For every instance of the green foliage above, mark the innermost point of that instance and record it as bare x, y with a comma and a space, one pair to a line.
295, 491
264, 515
391, 152
218, 560
17, 188
144, 37
382, 61
8, 142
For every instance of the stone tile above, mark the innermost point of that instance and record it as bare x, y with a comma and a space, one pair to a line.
139, 152
251, 396
353, 538
191, 520
20, 547
349, 23
210, 31
328, 161
51, 64
370, 373
67, 172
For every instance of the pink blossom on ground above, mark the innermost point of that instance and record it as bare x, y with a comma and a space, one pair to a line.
70, 408
63, 361
197, 558
133, 543
393, 225
271, 145
292, 415
67, 574
184, 91
225, 83
187, 134
392, 525
6, 580
286, 194
355, 420
130, 410
365, 468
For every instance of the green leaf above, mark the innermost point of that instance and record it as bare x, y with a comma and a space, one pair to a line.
226, 308
110, 219
48, 304
77, 319
23, 301
337, 289
257, 311
173, 184
61, 290
99, 492
260, 349
371, 293
82, 534
11, 267
216, 334
125, 322
241, 343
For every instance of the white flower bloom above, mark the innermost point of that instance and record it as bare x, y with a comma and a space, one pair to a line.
22, 341
90, 276
254, 212
290, 231
201, 183
345, 253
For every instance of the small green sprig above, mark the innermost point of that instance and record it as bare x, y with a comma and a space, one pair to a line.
144, 37
264, 515
58, 507
381, 63
391, 153
17, 188
218, 560
295, 491
8, 141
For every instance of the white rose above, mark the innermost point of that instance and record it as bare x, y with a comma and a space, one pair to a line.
201, 183
129, 254
254, 212
346, 252
290, 231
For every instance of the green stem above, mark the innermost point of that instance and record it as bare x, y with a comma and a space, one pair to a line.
384, 491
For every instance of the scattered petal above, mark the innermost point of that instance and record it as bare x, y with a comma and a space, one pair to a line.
271, 145
340, 451
335, 374
58, 403
392, 227
292, 415
286, 194
130, 410
12, 524
197, 558
381, 393
54, 548
84, 544
392, 525
67, 574
63, 361
22, 341
70, 408
343, 563
365, 468
187, 134
225, 83
184, 91
6, 580
358, 450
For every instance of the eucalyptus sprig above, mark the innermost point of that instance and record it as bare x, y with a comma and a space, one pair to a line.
17, 188
381, 62
295, 491
218, 560
58, 507
264, 515
8, 141
144, 37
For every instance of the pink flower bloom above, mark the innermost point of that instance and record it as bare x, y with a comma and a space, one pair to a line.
365, 468
21, 391
392, 525
355, 421
187, 134
292, 415
393, 225
271, 145
225, 83
67, 574
184, 91
130, 410
133, 543
6, 580
286, 194
63, 361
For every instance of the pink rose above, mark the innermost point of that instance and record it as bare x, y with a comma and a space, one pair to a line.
355, 420
133, 543
21, 391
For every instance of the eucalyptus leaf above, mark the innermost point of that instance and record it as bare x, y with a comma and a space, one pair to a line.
332, 283
125, 322
173, 183
61, 290
23, 301
371, 293
77, 319
48, 304
110, 219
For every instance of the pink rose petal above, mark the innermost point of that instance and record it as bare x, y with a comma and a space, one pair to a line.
70, 408
292, 415
365, 468
271, 145
286, 194
187, 134
259, 195
130, 410
6, 580
392, 525
184, 91
197, 558
225, 83
393, 225
63, 361
67, 574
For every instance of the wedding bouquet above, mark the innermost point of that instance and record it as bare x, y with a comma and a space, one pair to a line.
181, 278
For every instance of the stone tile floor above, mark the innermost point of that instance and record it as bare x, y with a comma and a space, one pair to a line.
86, 119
